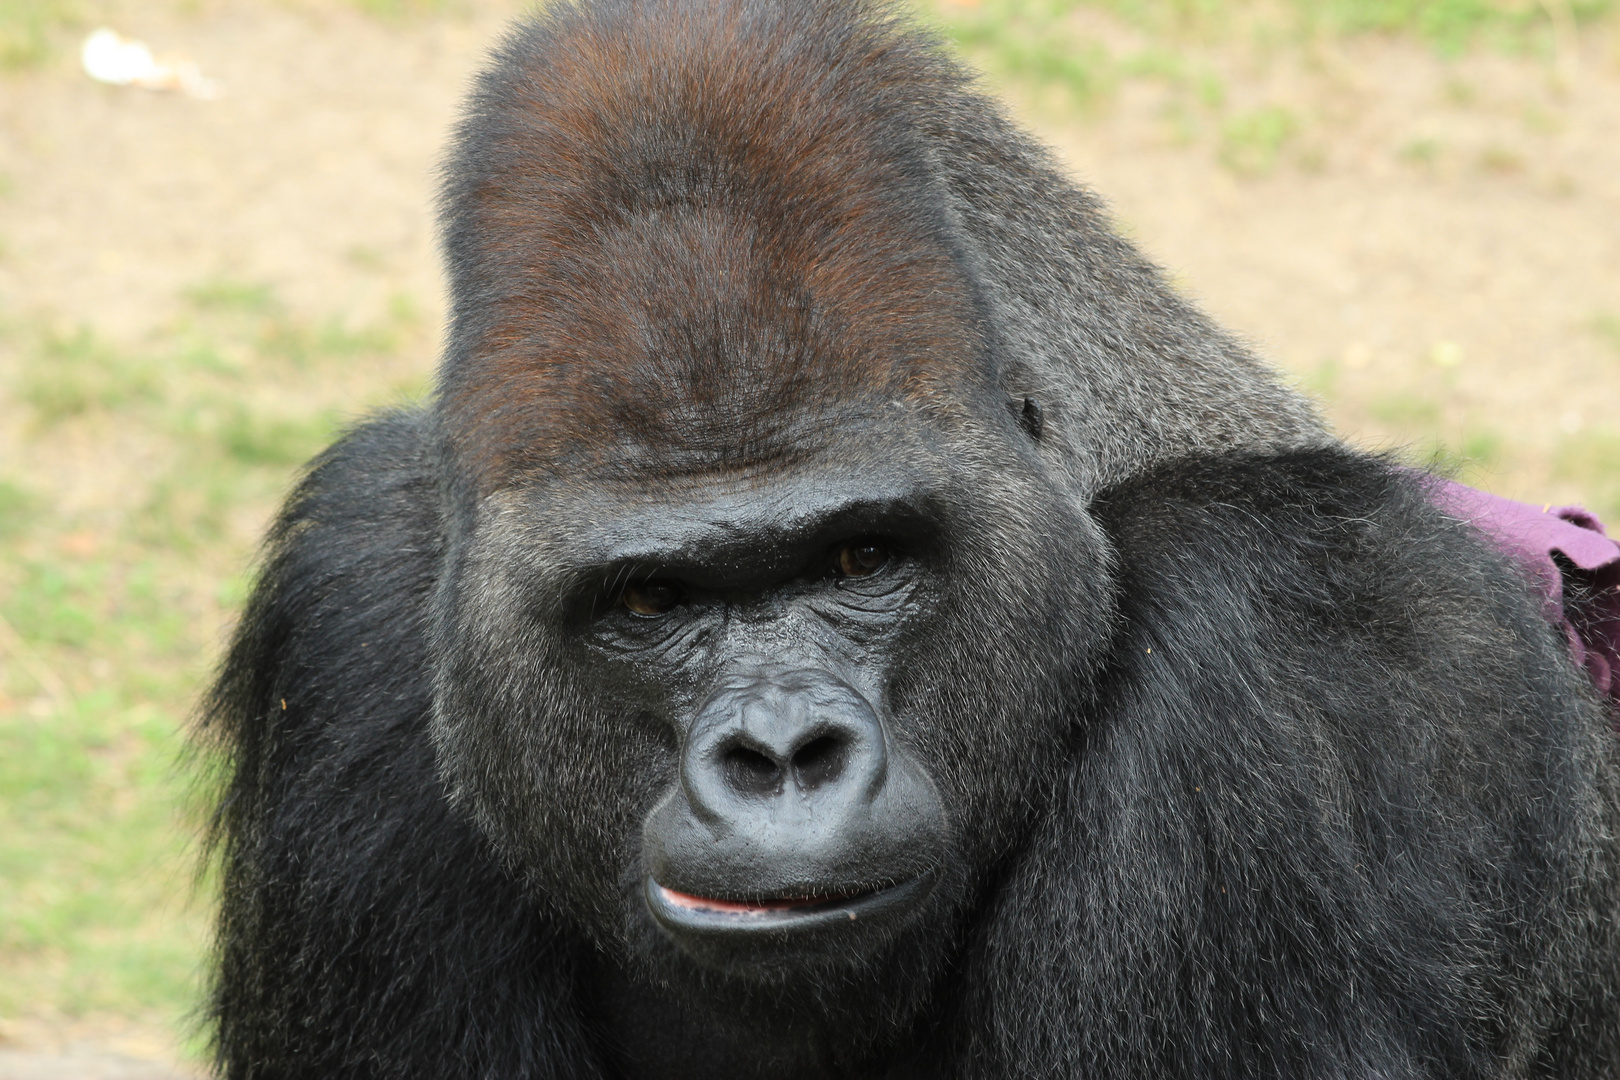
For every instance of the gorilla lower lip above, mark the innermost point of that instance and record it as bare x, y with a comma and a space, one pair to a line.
752, 907
702, 917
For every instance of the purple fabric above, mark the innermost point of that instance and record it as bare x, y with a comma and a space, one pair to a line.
1532, 535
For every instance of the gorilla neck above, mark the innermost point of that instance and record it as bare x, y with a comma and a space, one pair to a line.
675, 1032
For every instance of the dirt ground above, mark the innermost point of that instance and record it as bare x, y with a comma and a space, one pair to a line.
1437, 251
1436, 247
101, 1048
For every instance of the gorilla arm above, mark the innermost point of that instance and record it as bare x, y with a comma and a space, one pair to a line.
1312, 830
362, 917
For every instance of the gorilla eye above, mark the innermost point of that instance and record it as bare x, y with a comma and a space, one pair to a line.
651, 597
860, 558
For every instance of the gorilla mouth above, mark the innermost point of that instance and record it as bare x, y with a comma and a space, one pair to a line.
754, 907
685, 913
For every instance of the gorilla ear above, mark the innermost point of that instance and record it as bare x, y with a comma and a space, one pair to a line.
1029, 416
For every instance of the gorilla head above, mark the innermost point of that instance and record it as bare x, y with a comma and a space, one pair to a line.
738, 640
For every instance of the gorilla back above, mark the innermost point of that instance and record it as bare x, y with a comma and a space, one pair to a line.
842, 615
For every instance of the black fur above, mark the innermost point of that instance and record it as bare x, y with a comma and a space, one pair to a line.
1252, 763
399, 947
1343, 806
1338, 805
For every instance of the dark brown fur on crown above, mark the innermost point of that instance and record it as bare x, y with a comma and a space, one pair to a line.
689, 225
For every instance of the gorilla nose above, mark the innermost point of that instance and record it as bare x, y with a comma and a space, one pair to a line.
753, 769
805, 736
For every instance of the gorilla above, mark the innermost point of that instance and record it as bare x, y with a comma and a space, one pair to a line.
841, 614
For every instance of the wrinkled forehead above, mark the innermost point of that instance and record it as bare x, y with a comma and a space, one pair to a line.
761, 522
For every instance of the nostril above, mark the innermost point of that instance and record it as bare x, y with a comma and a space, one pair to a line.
751, 772
820, 761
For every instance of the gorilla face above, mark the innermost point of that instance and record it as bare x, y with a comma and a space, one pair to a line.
791, 698
795, 810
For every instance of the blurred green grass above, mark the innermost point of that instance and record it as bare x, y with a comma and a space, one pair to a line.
1050, 50
114, 602
34, 31
28, 29
1007, 31
113, 613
